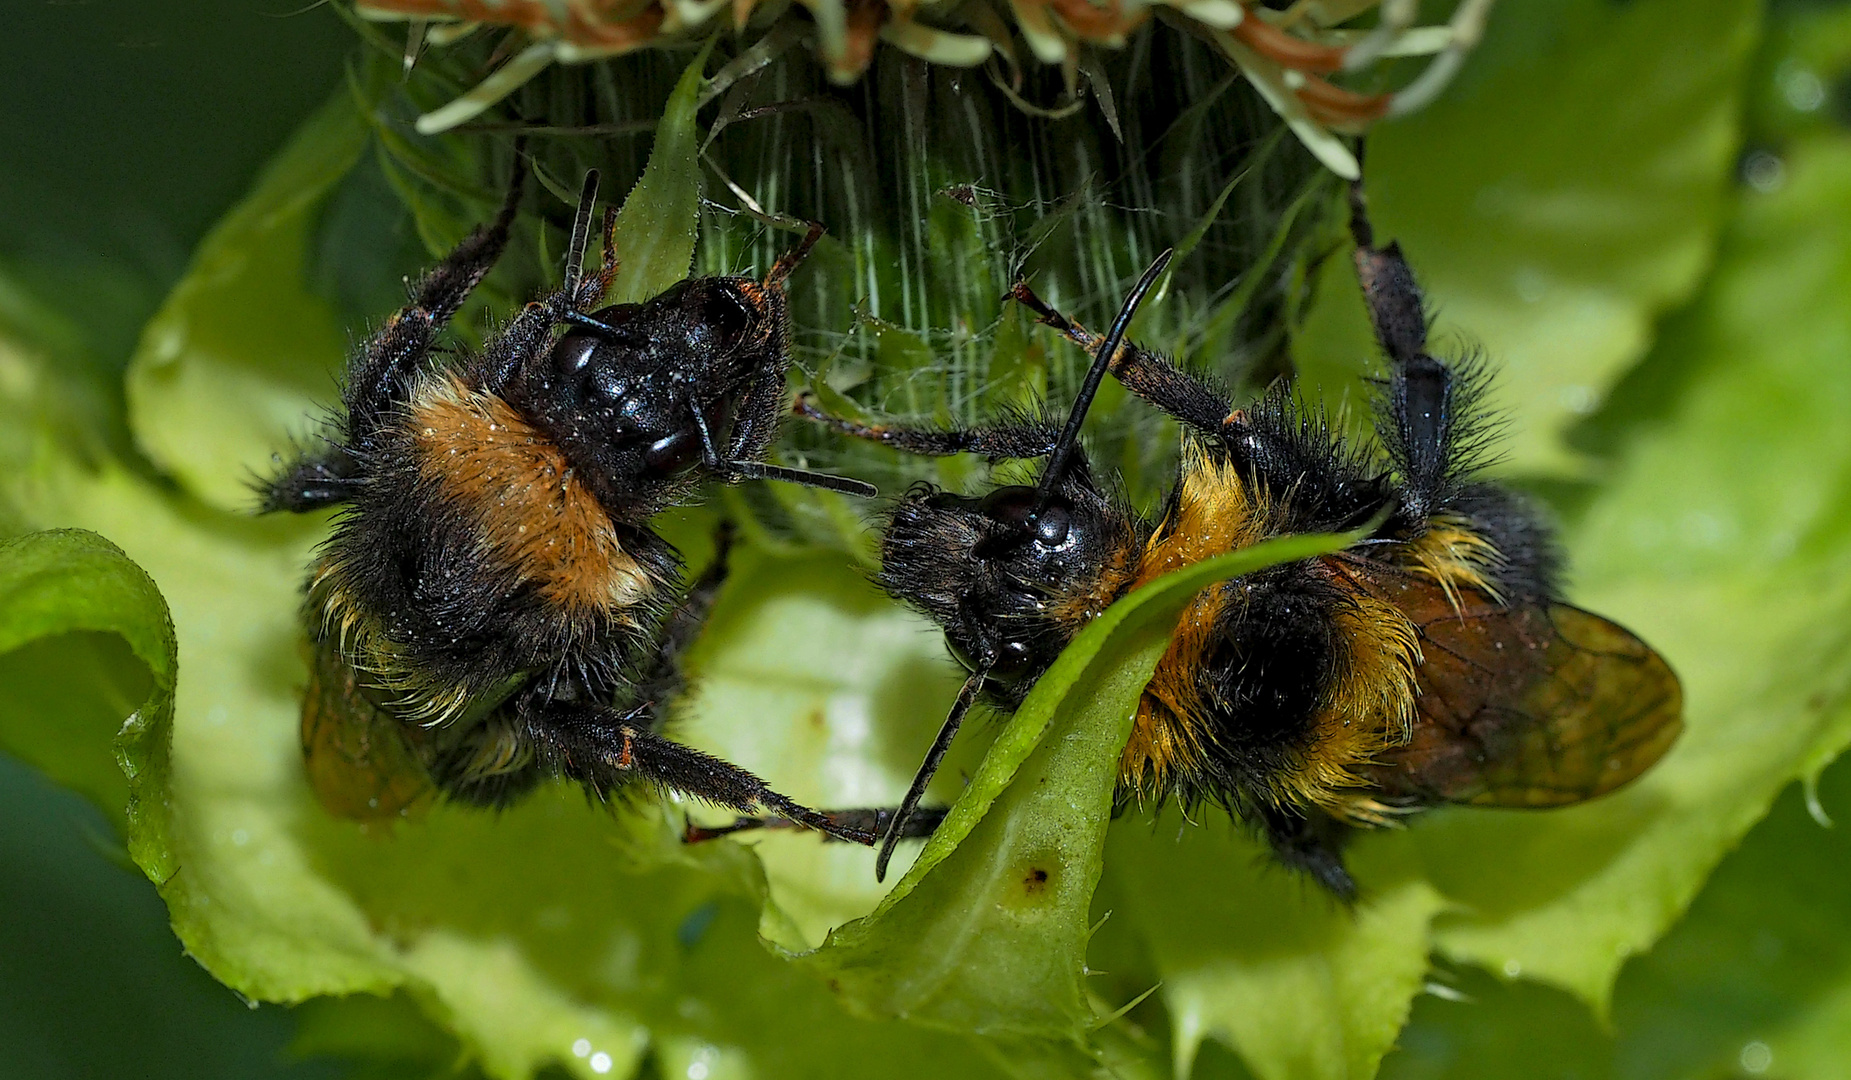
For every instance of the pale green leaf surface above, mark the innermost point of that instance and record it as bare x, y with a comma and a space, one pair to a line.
1756, 972
845, 717
1560, 196
1259, 958
228, 369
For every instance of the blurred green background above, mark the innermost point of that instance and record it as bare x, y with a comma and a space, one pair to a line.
130, 129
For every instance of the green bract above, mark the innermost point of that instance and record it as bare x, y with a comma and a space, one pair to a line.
1556, 203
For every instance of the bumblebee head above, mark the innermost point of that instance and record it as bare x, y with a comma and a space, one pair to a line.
1013, 575
632, 386
1003, 578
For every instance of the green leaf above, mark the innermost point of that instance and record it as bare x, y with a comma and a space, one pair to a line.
1757, 972
1761, 958
69, 601
661, 216
987, 931
1557, 199
241, 339
1304, 988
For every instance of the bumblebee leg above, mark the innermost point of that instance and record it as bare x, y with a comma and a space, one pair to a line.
379, 376
605, 749
788, 262
1311, 843
1418, 403
921, 823
743, 458
1187, 397
1023, 440
310, 483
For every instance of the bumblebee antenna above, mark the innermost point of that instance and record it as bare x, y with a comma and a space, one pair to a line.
788, 262
896, 828
581, 235
1070, 435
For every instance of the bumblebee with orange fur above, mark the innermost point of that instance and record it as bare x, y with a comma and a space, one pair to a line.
492, 607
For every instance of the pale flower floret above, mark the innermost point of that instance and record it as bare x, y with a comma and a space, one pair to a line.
1286, 55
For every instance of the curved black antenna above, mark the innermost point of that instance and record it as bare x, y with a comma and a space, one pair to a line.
1070, 435
581, 235
896, 828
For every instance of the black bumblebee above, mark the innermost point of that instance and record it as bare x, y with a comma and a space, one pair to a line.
492, 607
1429, 663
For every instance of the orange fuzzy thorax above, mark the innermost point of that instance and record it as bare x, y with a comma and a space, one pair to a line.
533, 513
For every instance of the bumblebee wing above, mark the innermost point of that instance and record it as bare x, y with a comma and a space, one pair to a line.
356, 754
1526, 706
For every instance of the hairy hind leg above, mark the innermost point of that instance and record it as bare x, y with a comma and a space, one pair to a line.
1026, 439
1186, 397
381, 374
605, 749
1418, 404
1311, 842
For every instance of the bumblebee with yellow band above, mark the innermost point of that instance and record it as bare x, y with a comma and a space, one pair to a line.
1432, 662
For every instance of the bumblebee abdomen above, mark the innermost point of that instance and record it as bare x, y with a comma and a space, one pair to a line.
1276, 688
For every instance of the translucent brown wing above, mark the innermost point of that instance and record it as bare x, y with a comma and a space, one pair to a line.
1525, 706
356, 754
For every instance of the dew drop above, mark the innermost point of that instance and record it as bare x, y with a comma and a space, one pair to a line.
1756, 1057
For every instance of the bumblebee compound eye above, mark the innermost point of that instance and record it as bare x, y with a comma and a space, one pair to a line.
1010, 661
1015, 661
1053, 525
572, 355
1010, 506
1014, 508
674, 453
718, 315
575, 351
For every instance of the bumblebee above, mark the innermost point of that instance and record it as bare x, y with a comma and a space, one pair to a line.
492, 607
1432, 662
